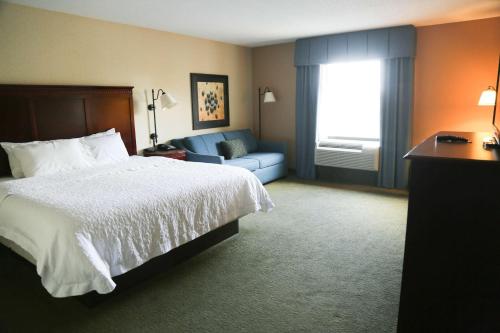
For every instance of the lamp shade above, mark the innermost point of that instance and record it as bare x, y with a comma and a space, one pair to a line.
269, 97
488, 97
167, 101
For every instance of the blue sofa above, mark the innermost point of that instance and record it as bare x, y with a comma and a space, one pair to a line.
267, 160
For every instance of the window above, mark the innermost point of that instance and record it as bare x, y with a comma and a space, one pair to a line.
349, 100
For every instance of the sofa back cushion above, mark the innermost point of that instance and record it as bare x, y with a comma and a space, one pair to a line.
178, 143
244, 135
206, 144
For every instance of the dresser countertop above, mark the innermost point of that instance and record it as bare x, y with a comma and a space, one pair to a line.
474, 151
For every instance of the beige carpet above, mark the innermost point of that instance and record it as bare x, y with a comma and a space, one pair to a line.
327, 259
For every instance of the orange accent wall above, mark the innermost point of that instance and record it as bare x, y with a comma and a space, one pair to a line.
454, 63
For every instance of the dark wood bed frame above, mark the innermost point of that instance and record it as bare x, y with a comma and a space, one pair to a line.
29, 113
41, 112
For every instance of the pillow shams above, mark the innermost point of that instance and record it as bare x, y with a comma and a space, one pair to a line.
107, 149
96, 135
46, 158
15, 165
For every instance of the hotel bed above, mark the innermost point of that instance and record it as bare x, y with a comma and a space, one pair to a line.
82, 227
10, 244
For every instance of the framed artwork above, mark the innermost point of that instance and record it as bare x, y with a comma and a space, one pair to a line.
209, 100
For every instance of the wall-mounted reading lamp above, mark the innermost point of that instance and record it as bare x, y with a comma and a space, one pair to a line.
167, 101
268, 98
489, 97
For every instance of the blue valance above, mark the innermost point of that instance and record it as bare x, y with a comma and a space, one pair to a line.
395, 42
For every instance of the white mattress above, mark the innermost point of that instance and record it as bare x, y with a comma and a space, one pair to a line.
10, 244
17, 249
82, 228
4, 179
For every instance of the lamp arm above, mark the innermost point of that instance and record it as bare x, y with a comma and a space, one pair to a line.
152, 107
154, 136
158, 94
266, 89
496, 88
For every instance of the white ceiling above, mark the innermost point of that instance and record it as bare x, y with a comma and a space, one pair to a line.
259, 22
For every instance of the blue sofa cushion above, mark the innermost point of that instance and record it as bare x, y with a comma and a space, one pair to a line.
246, 163
244, 135
179, 143
196, 145
206, 144
266, 159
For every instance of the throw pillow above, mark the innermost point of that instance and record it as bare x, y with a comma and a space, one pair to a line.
233, 148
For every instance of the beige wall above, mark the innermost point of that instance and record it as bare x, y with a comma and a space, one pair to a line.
454, 63
43, 47
273, 67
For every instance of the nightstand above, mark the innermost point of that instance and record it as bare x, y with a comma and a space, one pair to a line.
177, 154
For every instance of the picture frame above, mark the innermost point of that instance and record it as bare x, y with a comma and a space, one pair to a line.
209, 100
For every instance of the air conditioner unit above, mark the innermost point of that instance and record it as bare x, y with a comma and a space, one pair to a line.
350, 154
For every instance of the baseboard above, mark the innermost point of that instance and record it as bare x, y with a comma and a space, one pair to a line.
347, 176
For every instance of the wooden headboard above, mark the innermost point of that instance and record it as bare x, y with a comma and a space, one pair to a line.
36, 112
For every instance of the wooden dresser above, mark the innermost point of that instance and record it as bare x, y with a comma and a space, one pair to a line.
451, 270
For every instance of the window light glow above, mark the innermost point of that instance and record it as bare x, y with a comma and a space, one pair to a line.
349, 100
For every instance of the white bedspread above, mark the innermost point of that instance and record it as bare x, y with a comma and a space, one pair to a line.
84, 227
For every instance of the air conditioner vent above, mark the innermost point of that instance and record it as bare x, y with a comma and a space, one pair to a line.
361, 155
342, 145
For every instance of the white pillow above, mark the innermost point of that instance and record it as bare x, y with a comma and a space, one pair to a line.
46, 158
107, 149
15, 165
108, 132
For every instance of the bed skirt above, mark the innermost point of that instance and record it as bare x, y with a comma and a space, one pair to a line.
156, 265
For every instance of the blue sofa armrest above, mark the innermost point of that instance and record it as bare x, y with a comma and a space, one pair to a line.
194, 157
179, 143
272, 147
